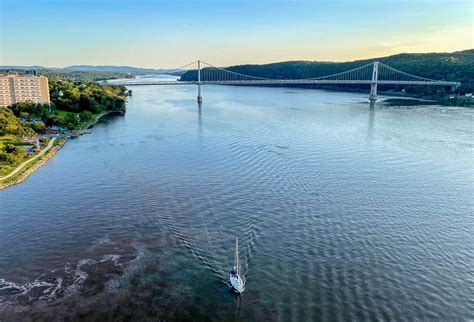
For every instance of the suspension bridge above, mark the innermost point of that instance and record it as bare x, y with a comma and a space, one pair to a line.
376, 73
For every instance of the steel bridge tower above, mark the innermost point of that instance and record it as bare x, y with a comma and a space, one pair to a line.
199, 97
373, 84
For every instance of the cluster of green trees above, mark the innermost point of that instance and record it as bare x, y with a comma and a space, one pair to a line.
11, 130
27, 110
90, 97
12, 154
10, 125
456, 66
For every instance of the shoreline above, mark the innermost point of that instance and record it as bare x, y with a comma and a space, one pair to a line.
29, 168
89, 125
23, 175
28, 161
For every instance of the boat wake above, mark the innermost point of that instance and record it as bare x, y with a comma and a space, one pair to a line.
191, 227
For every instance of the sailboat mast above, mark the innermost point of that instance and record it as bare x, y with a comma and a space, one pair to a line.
237, 260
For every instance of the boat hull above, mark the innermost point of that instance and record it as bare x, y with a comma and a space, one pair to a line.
237, 283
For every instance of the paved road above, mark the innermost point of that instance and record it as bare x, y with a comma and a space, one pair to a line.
21, 166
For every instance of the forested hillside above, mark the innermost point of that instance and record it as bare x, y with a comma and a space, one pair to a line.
69, 75
81, 76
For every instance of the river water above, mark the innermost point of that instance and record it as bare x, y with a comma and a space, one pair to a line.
342, 212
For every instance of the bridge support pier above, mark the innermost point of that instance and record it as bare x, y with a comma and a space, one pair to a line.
199, 97
373, 95
373, 85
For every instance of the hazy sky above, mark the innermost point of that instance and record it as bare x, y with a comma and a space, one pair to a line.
171, 33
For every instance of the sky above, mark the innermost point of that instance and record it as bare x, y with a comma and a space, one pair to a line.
169, 34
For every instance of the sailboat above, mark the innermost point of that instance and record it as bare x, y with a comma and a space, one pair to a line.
235, 280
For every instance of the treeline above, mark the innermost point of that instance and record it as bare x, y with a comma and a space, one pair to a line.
81, 76
456, 66
72, 76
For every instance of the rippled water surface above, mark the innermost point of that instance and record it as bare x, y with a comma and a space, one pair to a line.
343, 212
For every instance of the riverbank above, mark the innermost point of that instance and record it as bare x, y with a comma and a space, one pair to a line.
22, 165
30, 166
89, 125
23, 171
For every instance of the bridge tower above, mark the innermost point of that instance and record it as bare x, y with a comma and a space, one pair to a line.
199, 97
373, 85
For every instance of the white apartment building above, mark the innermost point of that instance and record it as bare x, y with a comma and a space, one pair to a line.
22, 88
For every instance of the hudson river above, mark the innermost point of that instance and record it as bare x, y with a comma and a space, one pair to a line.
342, 212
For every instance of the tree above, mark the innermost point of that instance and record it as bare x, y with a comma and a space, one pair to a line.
9, 124
44, 140
13, 154
86, 116
30, 109
84, 102
72, 120
38, 127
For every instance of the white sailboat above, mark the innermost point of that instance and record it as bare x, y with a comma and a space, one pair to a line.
235, 280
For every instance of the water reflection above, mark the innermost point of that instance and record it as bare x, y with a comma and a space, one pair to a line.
200, 119
372, 104
370, 131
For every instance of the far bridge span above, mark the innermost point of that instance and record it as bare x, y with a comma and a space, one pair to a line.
372, 74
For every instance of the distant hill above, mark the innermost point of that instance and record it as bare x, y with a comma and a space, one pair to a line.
5, 67
455, 66
102, 68
118, 69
